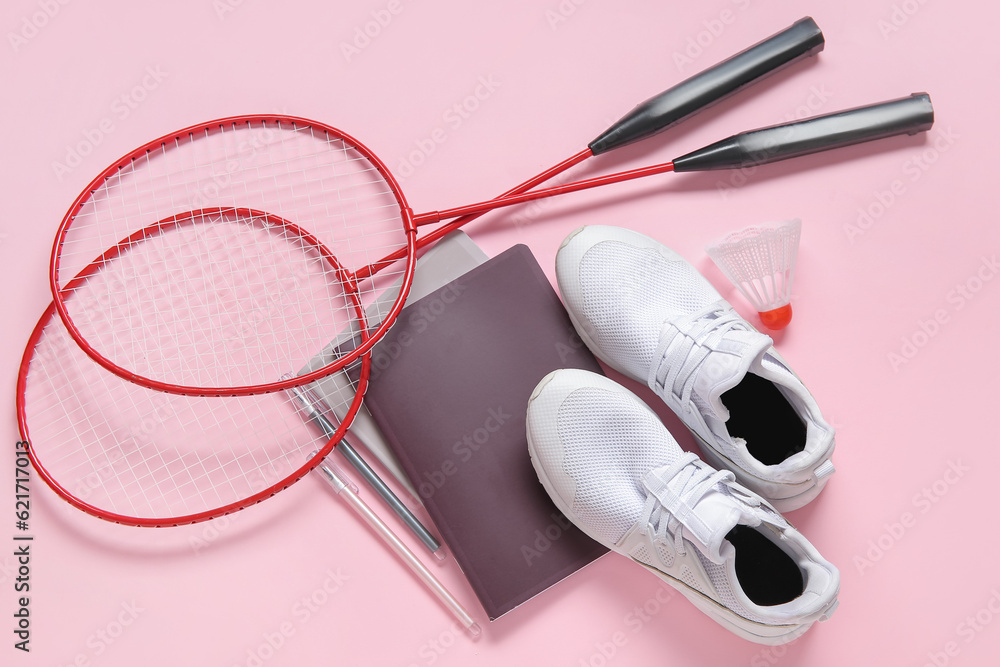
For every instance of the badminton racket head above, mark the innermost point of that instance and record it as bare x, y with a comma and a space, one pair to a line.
137, 456
208, 282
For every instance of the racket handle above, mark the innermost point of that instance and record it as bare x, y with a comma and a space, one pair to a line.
347, 491
713, 85
907, 115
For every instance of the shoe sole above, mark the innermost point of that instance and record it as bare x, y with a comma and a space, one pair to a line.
759, 633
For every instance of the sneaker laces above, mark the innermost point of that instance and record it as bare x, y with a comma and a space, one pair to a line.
694, 338
674, 492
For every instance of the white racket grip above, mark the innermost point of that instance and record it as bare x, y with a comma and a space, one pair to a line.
346, 490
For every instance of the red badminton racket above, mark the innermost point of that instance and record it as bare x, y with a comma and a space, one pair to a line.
203, 293
208, 273
208, 290
141, 457
138, 456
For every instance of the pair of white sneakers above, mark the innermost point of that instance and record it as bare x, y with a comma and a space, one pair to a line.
609, 464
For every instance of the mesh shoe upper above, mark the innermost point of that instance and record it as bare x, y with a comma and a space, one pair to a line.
614, 470
628, 305
599, 430
649, 314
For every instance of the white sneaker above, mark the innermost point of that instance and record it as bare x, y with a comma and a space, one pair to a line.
612, 468
647, 313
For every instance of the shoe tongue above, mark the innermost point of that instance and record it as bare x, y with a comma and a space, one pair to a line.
726, 366
707, 522
716, 514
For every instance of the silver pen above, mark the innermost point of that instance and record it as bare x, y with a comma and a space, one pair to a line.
312, 406
349, 493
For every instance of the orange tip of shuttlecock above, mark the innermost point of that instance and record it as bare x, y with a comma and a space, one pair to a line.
777, 318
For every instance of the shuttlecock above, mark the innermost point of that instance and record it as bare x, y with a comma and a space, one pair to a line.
760, 262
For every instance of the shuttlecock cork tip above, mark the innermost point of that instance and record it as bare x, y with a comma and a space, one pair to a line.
760, 262
777, 318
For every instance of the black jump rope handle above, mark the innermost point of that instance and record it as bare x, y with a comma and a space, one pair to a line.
715, 84
907, 115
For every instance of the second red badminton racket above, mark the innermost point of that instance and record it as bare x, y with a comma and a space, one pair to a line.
187, 315
205, 293
138, 456
141, 457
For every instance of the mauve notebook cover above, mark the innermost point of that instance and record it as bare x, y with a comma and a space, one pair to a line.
449, 389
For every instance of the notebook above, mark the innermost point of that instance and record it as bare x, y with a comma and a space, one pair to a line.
449, 390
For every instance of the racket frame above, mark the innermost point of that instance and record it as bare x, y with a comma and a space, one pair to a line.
61, 294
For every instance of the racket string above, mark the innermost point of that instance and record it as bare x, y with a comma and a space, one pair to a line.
143, 453
158, 320
259, 295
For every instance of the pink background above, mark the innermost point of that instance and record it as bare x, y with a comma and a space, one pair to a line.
559, 72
